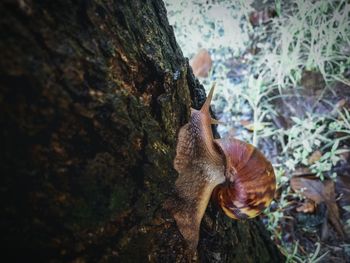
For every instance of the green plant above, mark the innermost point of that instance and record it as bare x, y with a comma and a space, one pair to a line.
293, 256
308, 35
209, 24
305, 36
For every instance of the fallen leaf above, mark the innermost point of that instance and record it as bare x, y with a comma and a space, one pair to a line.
307, 207
302, 171
319, 192
245, 122
252, 126
262, 17
343, 188
340, 104
310, 188
345, 154
201, 63
324, 230
315, 156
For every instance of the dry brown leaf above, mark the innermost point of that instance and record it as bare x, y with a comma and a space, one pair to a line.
262, 17
302, 171
315, 156
252, 126
345, 156
245, 122
324, 231
307, 207
319, 192
343, 188
310, 188
201, 63
340, 104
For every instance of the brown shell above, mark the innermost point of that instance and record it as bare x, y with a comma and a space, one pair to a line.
250, 180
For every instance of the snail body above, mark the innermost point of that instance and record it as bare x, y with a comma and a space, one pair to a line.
236, 174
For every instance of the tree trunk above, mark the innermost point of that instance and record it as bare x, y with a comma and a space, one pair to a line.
92, 96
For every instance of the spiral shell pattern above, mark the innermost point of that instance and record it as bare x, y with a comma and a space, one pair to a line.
250, 180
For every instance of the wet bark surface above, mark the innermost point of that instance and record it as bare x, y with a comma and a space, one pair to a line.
92, 95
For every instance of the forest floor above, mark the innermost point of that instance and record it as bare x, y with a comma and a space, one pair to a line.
283, 84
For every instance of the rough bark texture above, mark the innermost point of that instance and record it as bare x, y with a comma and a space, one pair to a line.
92, 94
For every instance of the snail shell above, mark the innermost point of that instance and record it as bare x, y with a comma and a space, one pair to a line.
250, 180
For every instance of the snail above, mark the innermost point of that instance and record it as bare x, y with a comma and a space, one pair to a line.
237, 175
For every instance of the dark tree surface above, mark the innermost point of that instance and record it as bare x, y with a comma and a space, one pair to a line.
92, 96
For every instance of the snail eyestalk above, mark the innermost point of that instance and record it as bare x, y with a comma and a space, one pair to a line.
206, 105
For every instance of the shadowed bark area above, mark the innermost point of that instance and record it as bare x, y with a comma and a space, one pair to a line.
92, 95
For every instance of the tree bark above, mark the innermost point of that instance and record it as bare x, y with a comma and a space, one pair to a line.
92, 96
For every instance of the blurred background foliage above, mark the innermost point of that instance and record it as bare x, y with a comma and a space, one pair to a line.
282, 70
